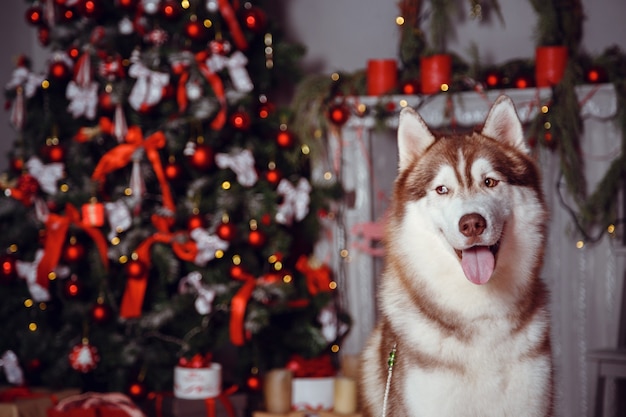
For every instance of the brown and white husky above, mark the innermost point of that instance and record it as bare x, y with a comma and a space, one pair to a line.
460, 297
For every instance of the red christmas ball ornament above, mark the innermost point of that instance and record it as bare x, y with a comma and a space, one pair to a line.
73, 52
137, 390
34, 15
596, 75
73, 288
17, 164
74, 251
285, 139
53, 152
170, 9
410, 87
522, 82
195, 30
254, 383
7, 269
173, 171
265, 110
338, 114
256, 238
196, 221
59, 71
43, 34
84, 357
202, 158
240, 120
273, 176
254, 19
135, 269
493, 79
90, 8
101, 313
236, 271
68, 15
126, 4
226, 231
106, 102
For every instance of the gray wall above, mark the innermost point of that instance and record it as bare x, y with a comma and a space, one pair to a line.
341, 35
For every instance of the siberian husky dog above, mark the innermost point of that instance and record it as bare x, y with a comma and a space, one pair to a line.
462, 303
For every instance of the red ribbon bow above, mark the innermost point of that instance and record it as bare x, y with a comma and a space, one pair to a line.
56, 229
317, 277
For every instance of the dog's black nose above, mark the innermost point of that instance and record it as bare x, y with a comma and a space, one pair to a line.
472, 224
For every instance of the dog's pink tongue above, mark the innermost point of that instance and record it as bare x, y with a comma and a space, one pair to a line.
477, 263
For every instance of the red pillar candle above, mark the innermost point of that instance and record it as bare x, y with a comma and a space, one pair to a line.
435, 71
382, 76
550, 62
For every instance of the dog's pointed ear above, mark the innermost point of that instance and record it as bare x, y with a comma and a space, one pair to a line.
413, 137
503, 124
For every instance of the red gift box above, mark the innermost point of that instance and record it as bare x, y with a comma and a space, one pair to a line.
93, 404
226, 404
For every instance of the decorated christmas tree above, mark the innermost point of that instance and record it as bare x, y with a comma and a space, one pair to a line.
158, 204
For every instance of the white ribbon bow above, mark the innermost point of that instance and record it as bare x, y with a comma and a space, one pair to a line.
46, 175
28, 80
83, 100
119, 217
192, 283
148, 88
12, 369
241, 163
236, 65
207, 245
295, 203
28, 272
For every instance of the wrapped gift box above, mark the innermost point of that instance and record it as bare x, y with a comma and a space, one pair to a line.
167, 405
313, 393
93, 404
30, 402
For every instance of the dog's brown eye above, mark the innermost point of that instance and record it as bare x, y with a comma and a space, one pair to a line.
442, 189
490, 182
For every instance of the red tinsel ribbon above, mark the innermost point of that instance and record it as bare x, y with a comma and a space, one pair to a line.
228, 13
135, 290
122, 154
56, 229
317, 279
238, 307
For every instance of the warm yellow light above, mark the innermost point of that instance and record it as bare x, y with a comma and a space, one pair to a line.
547, 125
236, 259
219, 254
328, 175
45, 84
332, 285
184, 4
611, 229
444, 87
115, 241
305, 149
207, 23
32, 327
28, 303
334, 76
52, 276
544, 109
344, 253
128, 192
580, 244
123, 259
287, 279
64, 188
334, 348
226, 185
278, 266
399, 20
403, 103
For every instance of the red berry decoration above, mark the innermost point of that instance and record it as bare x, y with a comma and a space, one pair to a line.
54, 153
74, 251
236, 272
339, 114
91, 8
522, 82
84, 357
34, 15
73, 52
240, 120
493, 79
285, 139
596, 75
202, 158
253, 383
256, 238
7, 269
135, 269
226, 231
